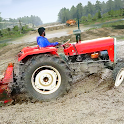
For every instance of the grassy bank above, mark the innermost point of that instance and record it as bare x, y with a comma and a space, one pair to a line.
115, 25
101, 20
3, 45
14, 32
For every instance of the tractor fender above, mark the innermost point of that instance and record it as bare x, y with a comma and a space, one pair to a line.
27, 51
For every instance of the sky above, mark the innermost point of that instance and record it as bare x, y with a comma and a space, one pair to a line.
47, 10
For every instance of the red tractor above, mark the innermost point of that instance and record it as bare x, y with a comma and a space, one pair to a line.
42, 74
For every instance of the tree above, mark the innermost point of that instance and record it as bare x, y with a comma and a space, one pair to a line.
64, 15
118, 4
85, 11
1, 25
99, 14
79, 11
103, 7
90, 8
95, 17
83, 19
0, 17
107, 9
73, 13
110, 5
98, 6
89, 17
111, 13
16, 28
105, 15
35, 20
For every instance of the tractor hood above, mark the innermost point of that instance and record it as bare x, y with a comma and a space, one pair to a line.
91, 46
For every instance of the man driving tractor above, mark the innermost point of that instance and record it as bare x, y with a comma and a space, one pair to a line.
42, 41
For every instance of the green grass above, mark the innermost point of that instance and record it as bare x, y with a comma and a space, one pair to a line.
115, 25
11, 37
3, 45
14, 33
101, 20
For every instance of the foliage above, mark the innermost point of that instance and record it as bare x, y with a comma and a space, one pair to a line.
13, 28
3, 45
16, 28
112, 8
83, 19
89, 17
115, 25
99, 15
14, 32
34, 20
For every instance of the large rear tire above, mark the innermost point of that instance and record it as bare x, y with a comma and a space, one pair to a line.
45, 77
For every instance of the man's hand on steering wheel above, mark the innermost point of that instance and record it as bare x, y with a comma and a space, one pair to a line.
58, 45
66, 43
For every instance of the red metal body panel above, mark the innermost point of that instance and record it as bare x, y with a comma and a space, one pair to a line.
4, 89
92, 46
35, 50
8, 76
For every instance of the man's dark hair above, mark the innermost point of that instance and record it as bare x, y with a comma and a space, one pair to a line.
41, 30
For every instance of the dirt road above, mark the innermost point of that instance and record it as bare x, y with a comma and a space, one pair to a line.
90, 101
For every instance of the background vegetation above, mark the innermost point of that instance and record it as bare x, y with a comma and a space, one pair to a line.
16, 31
34, 20
12, 28
92, 12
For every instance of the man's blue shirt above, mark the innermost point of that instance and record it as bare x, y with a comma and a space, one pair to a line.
43, 42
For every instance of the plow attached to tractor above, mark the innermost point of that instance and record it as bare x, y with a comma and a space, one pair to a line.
42, 74
5, 82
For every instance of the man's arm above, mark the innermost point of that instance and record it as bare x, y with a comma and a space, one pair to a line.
51, 44
43, 42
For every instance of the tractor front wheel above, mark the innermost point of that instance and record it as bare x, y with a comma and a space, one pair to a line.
118, 73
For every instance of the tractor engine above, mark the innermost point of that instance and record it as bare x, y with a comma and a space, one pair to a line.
91, 56
102, 55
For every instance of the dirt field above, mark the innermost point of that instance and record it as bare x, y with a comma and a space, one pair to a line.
90, 101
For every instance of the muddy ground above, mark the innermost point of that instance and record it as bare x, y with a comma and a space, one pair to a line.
92, 100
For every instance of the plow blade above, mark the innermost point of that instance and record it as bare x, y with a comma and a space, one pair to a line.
5, 82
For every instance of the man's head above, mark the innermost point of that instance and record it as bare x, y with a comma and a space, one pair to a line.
41, 31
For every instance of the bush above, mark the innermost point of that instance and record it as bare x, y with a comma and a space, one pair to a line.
25, 29
14, 32
16, 28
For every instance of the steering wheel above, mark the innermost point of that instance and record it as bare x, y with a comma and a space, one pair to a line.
66, 43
